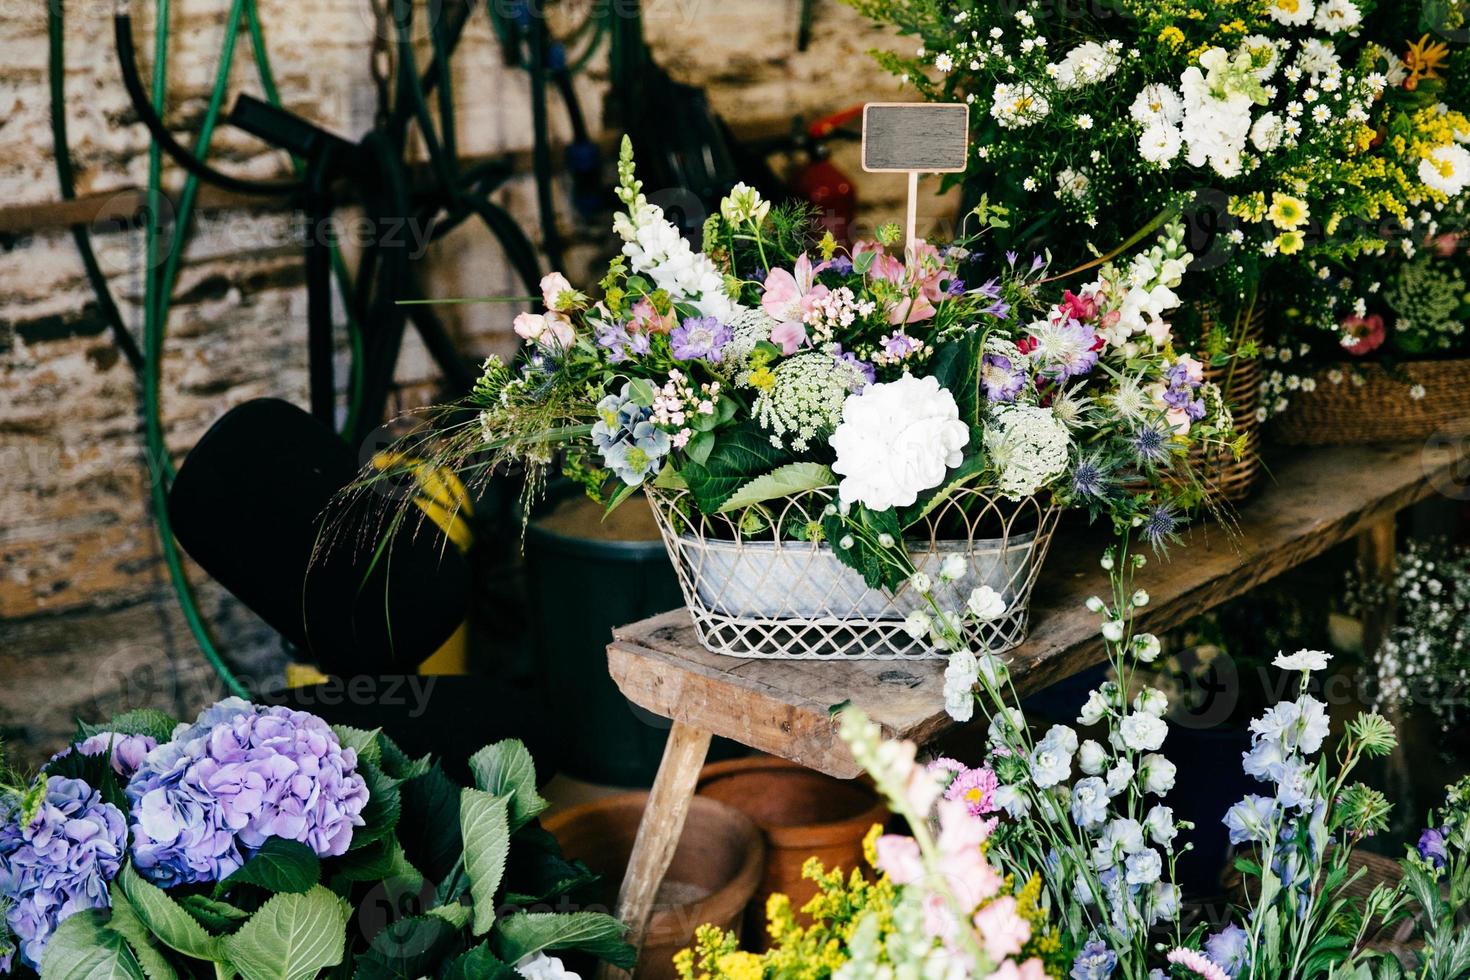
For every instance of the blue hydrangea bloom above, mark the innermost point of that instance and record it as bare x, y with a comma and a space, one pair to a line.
128, 751
205, 801
58, 863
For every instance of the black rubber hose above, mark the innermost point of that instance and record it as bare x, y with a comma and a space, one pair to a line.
122, 23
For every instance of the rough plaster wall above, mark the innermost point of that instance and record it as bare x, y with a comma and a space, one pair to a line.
88, 624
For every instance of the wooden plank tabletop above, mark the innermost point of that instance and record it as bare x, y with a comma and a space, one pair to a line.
1314, 499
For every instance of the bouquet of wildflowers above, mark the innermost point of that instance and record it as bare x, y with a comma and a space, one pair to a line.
244, 843
775, 363
1293, 129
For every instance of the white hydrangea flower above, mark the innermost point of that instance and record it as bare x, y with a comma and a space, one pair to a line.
1028, 447
897, 440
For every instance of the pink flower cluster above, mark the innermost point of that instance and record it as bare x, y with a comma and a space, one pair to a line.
678, 400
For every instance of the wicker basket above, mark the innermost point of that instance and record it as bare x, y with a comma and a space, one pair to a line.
1378, 407
757, 586
1226, 477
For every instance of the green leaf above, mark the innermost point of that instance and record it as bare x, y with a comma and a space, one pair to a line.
670, 479
783, 481
379, 860
142, 721
397, 764
409, 949
429, 829
956, 366
597, 933
876, 565
279, 866
167, 919
484, 821
741, 454
126, 923
83, 948
699, 447
291, 937
456, 914
538, 872
506, 769
364, 743
384, 806
641, 391
480, 964
213, 914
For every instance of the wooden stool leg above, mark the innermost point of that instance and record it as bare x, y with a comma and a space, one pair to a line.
659, 831
1377, 553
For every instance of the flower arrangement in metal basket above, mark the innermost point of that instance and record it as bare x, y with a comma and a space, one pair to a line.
852, 451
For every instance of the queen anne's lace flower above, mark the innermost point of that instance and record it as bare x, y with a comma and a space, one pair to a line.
1028, 448
59, 863
805, 401
239, 775
897, 440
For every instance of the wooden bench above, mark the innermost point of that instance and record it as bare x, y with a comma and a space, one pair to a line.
1315, 499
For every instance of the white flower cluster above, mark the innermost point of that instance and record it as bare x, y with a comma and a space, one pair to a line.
897, 440
1028, 446
1086, 64
1018, 105
806, 399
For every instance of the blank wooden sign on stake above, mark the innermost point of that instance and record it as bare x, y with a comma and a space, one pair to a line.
915, 138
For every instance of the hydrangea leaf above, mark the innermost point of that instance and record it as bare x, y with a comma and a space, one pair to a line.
456, 914
429, 830
143, 721
506, 768
396, 763
783, 481
384, 806
213, 914
364, 743
83, 948
291, 937
741, 454
484, 821
597, 933
480, 964
538, 872
408, 949
379, 860
167, 919
126, 923
279, 866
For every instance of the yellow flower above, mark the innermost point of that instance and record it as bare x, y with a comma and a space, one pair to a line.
1172, 36
828, 246
1424, 59
741, 966
1287, 212
1290, 242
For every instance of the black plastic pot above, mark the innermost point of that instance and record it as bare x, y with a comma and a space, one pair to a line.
582, 583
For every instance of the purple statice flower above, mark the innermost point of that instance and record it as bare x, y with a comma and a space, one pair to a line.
242, 773
1094, 962
700, 338
127, 751
1064, 349
840, 264
1229, 949
1433, 847
1001, 378
869, 373
58, 863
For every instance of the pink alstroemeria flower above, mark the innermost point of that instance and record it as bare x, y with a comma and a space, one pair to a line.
646, 319
788, 299
921, 281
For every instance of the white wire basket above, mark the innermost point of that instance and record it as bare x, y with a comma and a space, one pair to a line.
757, 586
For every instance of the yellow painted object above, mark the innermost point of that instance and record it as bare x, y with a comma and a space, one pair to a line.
443, 499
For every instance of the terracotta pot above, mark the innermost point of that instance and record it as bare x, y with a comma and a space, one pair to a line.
803, 814
715, 871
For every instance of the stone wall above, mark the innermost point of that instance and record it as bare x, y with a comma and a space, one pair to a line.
88, 623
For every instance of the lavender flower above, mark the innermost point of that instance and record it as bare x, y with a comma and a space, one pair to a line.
1433, 847
1001, 379
127, 751
1229, 949
59, 863
701, 337
1094, 962
202, 803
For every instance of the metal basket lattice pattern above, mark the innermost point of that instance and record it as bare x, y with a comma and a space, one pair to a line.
757, 586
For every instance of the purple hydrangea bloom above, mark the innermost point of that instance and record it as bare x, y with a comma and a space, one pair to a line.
1433, 847
59, 863
1000, 377
700, 337
127, 751
1095, 961
242, 773
1229, 949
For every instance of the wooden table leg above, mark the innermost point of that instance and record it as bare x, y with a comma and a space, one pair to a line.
659, 831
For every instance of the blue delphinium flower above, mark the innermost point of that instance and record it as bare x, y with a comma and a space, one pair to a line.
1229, 949
58, 863
1095, 961
242, 773
1250, 819
629, 443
